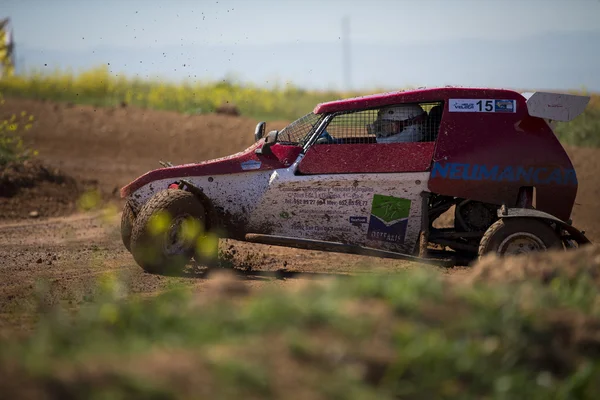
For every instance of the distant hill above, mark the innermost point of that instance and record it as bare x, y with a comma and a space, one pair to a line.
559, 61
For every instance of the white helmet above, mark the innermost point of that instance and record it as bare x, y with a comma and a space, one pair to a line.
401, 123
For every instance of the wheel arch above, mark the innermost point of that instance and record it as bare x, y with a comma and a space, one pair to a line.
577, 235
212, 217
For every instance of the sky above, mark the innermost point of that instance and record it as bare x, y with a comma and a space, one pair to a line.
390, 40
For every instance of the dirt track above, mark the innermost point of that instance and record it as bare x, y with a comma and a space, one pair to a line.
109, 147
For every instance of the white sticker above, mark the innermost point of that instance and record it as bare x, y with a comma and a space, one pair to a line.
482, 105
251, 164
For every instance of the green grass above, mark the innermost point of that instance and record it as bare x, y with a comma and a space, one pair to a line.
409, 335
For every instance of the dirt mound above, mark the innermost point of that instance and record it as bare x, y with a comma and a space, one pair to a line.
228, 109
32, 189
16, 176
541, 267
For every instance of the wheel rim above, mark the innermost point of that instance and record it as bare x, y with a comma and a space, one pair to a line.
175, 243
521, 243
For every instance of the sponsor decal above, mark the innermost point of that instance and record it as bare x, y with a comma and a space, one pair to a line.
389, 219
251, 164
530, 175
358, 220
482, 105
504, 105
463, 106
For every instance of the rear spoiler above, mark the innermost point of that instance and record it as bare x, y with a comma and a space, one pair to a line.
555, 106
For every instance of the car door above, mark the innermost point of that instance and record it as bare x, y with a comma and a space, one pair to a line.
347, 188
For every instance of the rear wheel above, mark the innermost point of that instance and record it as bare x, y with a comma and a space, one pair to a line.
166, 231
513, 236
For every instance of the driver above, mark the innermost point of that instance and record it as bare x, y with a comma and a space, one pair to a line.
397, 124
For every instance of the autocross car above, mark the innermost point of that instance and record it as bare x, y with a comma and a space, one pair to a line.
337, 180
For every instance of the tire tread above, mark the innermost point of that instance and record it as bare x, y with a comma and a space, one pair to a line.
160, 201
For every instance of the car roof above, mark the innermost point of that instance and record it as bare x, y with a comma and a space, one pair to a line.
414, 96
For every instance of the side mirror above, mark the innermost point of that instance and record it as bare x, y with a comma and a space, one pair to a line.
259, 131
270, 140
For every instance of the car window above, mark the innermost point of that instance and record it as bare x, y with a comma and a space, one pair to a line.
398, 123
298, 131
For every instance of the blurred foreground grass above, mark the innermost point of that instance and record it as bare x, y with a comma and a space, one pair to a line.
408, 335
99, 87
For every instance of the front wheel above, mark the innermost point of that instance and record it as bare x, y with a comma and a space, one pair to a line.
166, 230
127, 220
513, 236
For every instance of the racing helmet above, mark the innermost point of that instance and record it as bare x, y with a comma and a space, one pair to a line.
400, 123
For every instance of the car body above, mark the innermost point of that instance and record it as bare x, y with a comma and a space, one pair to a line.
489, 153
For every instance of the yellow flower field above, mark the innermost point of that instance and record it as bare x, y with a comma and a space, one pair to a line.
98, 86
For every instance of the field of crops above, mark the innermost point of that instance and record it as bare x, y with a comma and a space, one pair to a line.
281, 102
100, 87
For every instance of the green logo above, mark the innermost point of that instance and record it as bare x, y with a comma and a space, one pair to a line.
389, 208
284, 215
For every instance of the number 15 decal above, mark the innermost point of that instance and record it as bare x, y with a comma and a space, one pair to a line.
489, 105
482, 105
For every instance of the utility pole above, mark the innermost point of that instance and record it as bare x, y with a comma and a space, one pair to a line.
346, 61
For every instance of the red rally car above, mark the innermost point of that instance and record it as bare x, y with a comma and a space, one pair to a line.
370, 175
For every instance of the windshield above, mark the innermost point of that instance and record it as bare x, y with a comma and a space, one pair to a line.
298, 131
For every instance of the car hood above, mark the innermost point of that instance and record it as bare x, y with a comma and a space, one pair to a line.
245, 161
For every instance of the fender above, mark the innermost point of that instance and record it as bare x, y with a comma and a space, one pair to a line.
211, 214
576, 235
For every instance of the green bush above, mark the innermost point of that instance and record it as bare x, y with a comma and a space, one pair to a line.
12, 148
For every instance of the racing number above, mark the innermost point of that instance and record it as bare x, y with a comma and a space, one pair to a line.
489, 105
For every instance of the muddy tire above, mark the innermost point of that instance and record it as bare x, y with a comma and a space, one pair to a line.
157, 242
127, 219
512, 236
